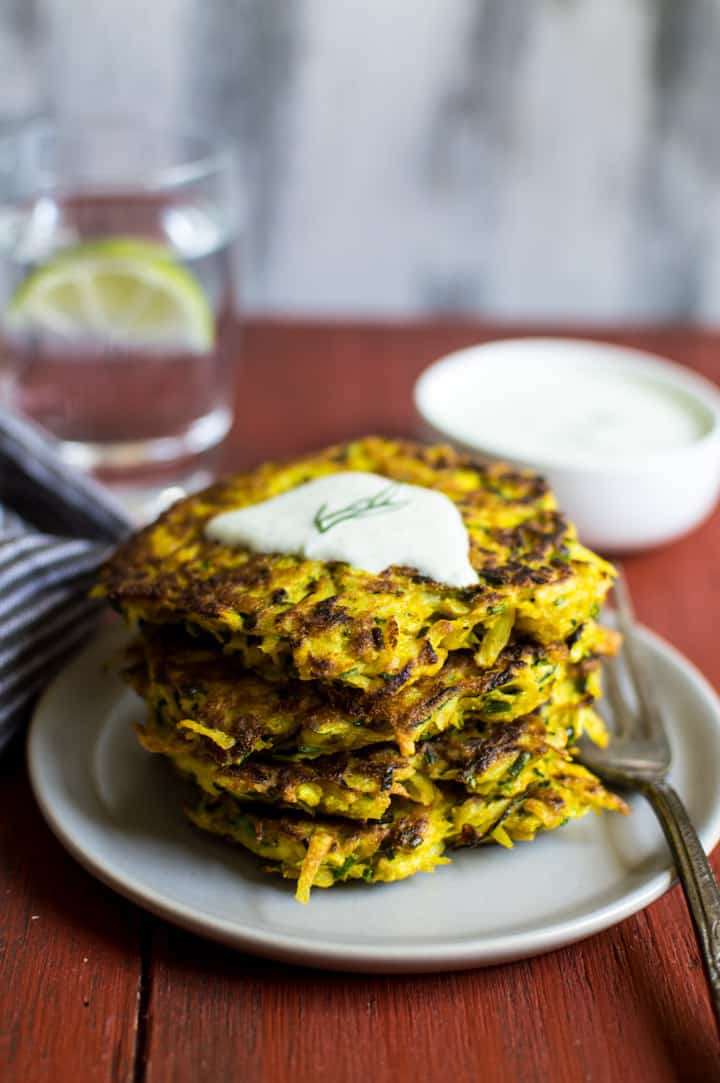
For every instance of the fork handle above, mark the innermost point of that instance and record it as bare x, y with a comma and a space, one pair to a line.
697, 878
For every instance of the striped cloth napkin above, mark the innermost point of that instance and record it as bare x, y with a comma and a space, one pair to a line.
56, 527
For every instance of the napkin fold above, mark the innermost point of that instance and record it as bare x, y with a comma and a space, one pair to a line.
56, 528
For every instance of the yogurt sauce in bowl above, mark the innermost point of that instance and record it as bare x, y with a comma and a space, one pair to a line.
630, 442
579, 416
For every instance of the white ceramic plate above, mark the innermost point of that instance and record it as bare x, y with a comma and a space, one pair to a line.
118, 811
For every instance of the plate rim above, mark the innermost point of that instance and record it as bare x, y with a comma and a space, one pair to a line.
408, 957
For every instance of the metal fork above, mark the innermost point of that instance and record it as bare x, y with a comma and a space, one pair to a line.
638, 757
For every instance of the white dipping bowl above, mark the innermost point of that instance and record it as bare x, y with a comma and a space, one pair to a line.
619, 502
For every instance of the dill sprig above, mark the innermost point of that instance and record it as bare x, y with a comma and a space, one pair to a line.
325, 520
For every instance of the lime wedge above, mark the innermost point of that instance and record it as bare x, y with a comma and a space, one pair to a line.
123, 290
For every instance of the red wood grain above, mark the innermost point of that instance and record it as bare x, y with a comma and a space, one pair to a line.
69, 955
602, 1010
628, 1005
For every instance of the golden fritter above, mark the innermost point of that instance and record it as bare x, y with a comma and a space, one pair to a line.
235, 714
333, 622
561, 790
322, 852
361, 786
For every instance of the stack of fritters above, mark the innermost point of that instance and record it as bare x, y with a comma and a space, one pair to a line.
346, 725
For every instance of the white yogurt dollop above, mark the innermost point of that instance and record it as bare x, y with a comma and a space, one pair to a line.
362, 519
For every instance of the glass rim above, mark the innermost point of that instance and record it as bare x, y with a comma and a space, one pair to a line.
211, 156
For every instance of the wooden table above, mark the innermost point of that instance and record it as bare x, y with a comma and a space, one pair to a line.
92, 990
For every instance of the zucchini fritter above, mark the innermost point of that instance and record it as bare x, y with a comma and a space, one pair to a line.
344, 725
562, 790
362, 785
322, 852
235, 714
332, 622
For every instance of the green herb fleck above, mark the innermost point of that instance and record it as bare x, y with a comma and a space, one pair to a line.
495, 706
517, 765
341, 871
310, 750
382, 501
429, 755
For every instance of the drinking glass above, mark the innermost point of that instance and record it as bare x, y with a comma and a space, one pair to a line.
117, 294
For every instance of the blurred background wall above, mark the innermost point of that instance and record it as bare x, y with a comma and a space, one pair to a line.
553, 159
